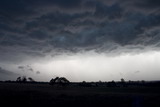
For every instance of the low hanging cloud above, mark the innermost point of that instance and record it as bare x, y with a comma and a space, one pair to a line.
137, 72
38, 72
21, 67
26, 68
6, 72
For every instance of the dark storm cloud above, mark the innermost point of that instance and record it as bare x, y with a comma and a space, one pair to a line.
146, 5
38, 35
37, 27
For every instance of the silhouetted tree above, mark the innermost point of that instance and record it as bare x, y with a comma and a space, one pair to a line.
53, 81
122, 80
24, 79
59, 80
85, 84
63, 81
31, 79
18, 79
123, 83
112, 84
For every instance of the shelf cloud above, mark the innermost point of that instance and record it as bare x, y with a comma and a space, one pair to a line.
41, 28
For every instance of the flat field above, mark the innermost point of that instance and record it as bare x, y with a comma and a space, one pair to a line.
44, 95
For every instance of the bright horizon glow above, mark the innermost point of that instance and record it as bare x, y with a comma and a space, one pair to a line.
95, 67
92, 66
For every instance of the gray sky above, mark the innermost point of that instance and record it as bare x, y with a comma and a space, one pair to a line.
87, 40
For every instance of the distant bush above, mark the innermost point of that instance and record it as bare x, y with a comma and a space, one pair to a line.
31, 79
59, 81
24, 79
112, 84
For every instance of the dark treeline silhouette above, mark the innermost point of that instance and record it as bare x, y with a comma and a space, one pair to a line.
24, 79
121, 83
62, 81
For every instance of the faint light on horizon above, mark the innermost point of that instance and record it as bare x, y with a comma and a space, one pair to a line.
95, 67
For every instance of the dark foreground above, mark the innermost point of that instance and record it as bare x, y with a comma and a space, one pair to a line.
44, 95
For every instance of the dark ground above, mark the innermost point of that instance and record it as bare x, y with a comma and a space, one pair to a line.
44, 95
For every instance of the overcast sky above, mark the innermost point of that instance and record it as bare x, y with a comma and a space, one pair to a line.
87, 40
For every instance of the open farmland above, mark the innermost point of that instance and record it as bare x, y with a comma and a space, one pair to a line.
44, 95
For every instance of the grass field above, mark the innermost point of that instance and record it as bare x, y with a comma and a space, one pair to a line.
44, 95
